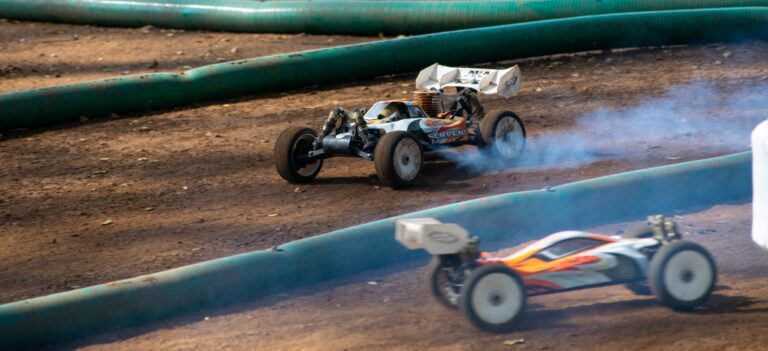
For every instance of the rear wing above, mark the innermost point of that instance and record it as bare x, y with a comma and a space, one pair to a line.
505, 83
429, 234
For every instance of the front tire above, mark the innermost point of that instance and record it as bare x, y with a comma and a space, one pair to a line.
291, 150
493, 298
504, 134
682, 275
398, 159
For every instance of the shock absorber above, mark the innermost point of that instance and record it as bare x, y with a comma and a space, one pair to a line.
333, 118
362, 129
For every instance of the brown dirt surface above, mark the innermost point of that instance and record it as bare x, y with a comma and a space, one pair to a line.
394, 310
36, 55
107, 199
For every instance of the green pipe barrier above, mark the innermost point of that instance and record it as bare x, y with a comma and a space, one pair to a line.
332, 17
37, 107
513, 217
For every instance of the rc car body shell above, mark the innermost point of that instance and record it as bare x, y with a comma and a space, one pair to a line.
572, 260
431, 132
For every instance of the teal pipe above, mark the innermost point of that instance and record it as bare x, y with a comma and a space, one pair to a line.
513, 218
332, 17
31, 108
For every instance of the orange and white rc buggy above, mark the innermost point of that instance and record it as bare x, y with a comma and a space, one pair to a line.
492, 291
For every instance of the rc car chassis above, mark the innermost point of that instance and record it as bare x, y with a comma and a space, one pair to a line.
395, 133
492, 291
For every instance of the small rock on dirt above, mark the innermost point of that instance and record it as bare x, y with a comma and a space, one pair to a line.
514, 342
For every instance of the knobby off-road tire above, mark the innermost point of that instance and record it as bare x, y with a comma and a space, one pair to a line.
292, 145
439, 282
493, 298
398, 159
504, 134
682, 275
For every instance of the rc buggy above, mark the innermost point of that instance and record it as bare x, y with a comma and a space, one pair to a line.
445, 112
492, 291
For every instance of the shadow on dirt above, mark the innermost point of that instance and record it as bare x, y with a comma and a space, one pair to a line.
726, 304
718, 304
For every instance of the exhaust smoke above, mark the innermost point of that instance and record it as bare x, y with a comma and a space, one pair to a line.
699, 117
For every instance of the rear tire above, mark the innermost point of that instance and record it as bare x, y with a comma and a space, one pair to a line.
293, 144
682, 275
398, 159
440, 283
493, 298
504, 134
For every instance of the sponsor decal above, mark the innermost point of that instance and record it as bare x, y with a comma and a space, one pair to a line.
437, 122
473, 75
446, 136
478, 72
442, 237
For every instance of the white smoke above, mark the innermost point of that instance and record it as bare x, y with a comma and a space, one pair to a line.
698, 115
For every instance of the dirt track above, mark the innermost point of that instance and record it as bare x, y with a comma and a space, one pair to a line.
397, 313
101, 200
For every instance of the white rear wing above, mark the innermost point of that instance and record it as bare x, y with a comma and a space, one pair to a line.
505, 83
429, 234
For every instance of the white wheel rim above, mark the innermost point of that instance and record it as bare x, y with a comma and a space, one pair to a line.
497, 298
509, 138
309, 168
688, 275
407, 159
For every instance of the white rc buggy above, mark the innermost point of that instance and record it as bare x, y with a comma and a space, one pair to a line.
395, 133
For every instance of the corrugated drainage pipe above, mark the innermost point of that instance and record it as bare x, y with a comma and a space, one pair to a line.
37, 107
332, 17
